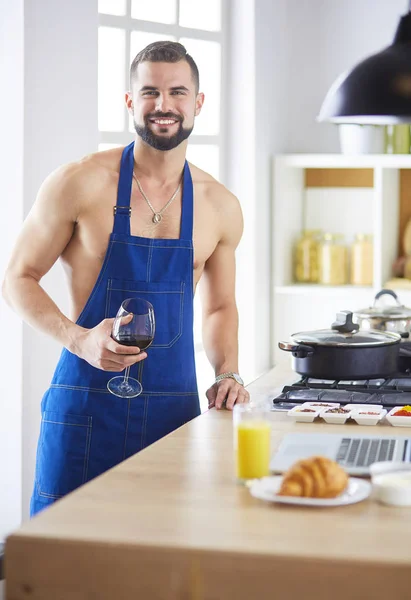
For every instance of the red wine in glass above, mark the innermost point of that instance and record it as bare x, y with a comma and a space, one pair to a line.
139, 331
142, 341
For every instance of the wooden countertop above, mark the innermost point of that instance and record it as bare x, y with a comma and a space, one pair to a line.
171, 523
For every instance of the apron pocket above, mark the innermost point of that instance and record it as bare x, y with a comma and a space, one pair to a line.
167, 299
166, 413
63, 453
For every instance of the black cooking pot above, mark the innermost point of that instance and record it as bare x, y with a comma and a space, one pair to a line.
344, 352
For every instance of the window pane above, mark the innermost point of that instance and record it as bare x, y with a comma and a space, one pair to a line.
206, 157
138, 41
111, 78
201, 15
159, 11
141, 39
207, 56
112, 7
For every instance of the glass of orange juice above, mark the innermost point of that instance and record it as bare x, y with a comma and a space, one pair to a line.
252, 437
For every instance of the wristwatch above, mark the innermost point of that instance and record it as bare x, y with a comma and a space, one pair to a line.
229, 375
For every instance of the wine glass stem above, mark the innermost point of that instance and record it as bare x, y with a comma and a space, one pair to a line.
126, 374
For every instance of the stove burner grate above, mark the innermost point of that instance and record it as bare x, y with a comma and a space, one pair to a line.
394, 391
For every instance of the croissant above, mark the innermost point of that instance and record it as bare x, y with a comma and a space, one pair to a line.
314, 477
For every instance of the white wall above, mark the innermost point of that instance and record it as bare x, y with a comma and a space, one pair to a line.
325, 38
271, 102
60, 126
241, 168
11, 215
54, 118
256, 129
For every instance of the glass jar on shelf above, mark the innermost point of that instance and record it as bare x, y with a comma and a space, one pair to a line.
361, 264
398, 139
333, 260
306, 257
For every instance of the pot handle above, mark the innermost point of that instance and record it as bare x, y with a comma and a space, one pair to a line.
344, 322
297, 350
388, 293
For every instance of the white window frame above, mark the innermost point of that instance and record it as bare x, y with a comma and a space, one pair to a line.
128, 24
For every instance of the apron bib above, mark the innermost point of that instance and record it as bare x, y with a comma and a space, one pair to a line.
86, 430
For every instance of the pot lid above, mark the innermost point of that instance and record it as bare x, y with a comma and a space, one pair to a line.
395, 312
346, 333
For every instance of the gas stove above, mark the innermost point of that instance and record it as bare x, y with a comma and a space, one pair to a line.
390, 392
395, 391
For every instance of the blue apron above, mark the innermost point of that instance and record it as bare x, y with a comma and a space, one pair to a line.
86, 430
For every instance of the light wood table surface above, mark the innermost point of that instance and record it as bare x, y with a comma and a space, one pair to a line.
171, 523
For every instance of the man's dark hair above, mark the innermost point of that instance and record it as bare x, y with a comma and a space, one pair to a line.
165, 51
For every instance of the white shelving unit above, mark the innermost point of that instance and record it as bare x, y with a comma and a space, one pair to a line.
344, 161
348, 210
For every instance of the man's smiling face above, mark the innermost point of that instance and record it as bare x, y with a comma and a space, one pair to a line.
165, 103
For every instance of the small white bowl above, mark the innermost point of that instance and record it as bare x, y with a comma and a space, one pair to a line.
318, 405
388, 466
398, 421
298, 414
362, 418
335, 418
364, 406
392, 482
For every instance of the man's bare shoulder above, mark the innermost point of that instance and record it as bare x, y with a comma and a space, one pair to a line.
76, 183
223, 202
212, 189
108, 160
91, 168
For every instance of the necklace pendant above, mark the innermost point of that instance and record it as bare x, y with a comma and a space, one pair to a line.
157, 218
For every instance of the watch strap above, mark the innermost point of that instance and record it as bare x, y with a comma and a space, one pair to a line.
229, 375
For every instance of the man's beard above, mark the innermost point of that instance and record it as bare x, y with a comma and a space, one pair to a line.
162, 142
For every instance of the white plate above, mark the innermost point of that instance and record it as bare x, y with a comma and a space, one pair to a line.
267, 488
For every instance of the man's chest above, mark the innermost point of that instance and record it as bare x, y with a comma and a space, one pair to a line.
96, 225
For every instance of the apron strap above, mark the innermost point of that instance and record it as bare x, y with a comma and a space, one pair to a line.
122, 210
187, 213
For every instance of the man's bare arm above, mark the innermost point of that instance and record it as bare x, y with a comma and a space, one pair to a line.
220, 316
44, 236
45, 233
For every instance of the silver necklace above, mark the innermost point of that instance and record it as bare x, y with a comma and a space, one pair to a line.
157, 216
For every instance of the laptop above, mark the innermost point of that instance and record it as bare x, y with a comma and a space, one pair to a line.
355, 453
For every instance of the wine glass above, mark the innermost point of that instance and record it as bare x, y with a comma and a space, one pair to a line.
138, 332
